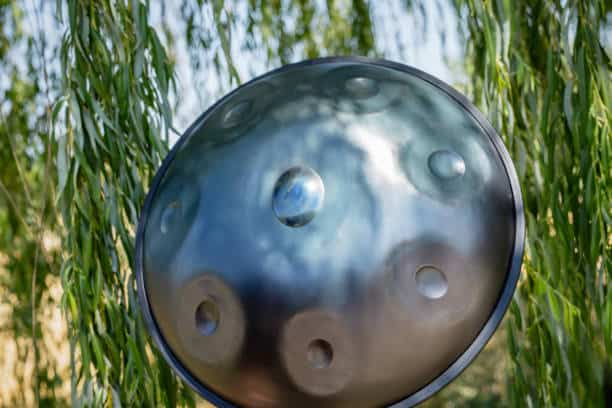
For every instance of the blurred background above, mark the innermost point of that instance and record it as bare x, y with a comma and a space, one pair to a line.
93, 93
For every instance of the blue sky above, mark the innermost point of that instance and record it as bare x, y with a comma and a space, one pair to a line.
399, 35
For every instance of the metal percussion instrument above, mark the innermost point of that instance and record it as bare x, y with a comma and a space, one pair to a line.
340, 232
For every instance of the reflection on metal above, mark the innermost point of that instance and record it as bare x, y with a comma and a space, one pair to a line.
361, 87
446, 164
298, 196
431, 282
342, 232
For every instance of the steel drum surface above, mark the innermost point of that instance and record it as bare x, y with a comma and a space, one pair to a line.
342, 232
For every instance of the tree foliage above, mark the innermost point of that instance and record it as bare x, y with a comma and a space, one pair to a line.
29, 256
539, 68
116, 117
86, 117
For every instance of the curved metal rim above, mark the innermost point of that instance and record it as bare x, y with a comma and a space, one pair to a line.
487, 330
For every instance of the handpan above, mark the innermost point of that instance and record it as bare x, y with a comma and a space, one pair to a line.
340, 232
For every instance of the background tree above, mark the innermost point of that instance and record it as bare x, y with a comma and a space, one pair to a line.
32, 333
90, 92
539, 68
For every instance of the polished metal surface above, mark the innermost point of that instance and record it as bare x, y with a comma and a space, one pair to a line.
342, 232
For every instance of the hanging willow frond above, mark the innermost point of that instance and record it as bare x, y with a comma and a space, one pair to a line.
277, 32
113, 135
539, 69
